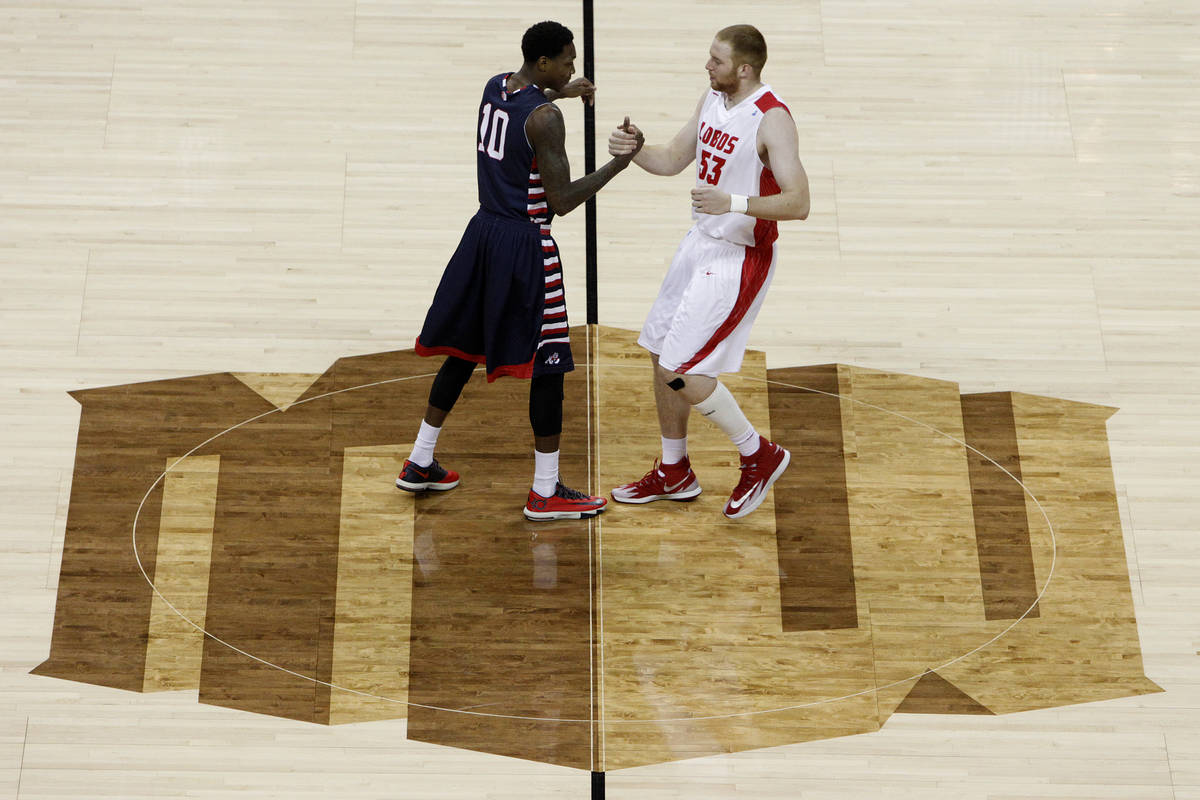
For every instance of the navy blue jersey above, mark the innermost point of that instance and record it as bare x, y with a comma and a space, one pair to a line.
500, 301
509, 183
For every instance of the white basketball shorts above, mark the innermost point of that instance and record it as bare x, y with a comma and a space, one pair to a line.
701, 320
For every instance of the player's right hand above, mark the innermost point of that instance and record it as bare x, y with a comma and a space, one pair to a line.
580, 87
626, 140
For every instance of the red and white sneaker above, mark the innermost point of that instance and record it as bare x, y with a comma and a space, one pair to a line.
435, 477
563, 504
663, 482
759, 471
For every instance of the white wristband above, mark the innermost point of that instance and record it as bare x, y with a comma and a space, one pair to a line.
738, 203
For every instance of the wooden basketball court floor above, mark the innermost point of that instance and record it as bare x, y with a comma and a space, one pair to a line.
211, 210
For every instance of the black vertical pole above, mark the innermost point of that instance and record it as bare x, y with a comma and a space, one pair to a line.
589, 161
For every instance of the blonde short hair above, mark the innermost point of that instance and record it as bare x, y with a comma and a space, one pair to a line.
747, 44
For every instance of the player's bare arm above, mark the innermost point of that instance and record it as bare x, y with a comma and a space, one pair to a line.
671, 158
580, 87
779, 148
548, 134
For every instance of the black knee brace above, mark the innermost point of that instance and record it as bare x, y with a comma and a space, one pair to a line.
449, 383
545, 404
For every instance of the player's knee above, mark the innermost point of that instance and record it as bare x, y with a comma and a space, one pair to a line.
449, 382
672, 379
545, 405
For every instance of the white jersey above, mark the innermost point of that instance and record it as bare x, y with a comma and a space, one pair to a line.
727, 158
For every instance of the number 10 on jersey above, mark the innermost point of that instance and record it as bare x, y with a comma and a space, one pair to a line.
498, 124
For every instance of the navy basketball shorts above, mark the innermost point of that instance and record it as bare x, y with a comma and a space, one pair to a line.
500, 302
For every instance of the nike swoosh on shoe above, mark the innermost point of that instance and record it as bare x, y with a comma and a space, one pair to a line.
736, 504
676, 487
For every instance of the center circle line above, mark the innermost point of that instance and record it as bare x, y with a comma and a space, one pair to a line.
602, 720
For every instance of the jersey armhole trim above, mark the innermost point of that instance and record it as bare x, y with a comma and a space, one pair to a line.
525, 127
765, 103
769, 101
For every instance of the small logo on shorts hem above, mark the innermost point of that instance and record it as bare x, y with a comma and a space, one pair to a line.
552, 358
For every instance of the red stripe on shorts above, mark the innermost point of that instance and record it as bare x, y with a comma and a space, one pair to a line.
514, 370
755, 266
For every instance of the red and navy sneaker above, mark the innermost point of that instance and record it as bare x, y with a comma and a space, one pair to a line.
759, 471
563, 504
663, 482
419, 479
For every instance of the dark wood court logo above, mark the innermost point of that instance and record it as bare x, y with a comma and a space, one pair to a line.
927, 552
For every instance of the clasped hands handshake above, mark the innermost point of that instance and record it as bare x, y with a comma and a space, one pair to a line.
626, 142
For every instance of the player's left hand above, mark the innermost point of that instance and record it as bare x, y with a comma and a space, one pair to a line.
582, 88
710, 201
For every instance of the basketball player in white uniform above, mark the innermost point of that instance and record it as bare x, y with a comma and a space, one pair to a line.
748, 176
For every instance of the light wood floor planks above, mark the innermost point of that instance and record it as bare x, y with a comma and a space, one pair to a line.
1003, 197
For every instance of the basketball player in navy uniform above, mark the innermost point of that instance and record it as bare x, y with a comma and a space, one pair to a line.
500, 302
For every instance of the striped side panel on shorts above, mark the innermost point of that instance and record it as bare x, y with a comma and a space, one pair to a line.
554, 312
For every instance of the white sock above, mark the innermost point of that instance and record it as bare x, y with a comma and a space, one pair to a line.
747, 444
723, 411
674, 450
545, 472
422, 452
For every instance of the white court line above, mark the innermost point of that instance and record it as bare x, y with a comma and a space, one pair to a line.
591, 569
603, 720
600, 590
